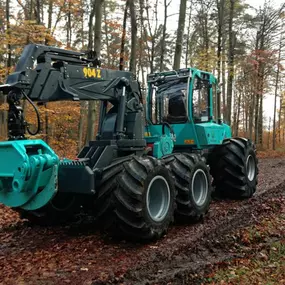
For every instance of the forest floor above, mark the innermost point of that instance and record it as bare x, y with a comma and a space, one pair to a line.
239, 242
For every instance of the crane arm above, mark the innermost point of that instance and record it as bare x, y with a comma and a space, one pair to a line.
51, 74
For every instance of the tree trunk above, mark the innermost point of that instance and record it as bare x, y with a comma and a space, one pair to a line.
268, 141
133, 63
81, 124
142, 36
82, 103
260, 119
122, 53
180, 32
238, 113
230, 63
47, 126
68, 28
275, 94
224, 84
188, 33
38, 12
50, 2
220, 6
206, 40
97, 49
250, 115
151, 51
279, 121
256, 94
90, 25
98, 27
256, 119
9, 59
106, 34
162, 52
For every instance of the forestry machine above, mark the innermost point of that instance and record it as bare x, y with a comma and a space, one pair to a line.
153, 162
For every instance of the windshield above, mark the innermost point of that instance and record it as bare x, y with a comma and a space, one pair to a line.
169, 101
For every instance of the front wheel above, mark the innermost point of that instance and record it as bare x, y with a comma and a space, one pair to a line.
233, 166
144, 200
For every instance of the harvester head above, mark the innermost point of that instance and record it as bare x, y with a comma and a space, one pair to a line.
28, 178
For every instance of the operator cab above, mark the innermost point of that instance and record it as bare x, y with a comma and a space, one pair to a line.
185, 101
169, 101
181, 97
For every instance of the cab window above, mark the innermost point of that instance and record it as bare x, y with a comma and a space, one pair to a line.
200, 103
169, 101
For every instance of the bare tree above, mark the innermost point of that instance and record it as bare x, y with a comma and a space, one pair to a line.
231, 53
123, 40
221, 10
134, 37
180, 31
97, 49
166, 5
277, 79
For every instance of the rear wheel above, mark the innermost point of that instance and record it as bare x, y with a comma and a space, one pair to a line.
233, 166
192, 181
144, 200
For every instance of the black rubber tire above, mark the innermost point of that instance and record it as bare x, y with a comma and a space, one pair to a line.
229, 171
108, 183
130, 218
57, 212
183, 167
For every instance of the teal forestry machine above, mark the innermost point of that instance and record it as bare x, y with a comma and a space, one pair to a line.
153, 162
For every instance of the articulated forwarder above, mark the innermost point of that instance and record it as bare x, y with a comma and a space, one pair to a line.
151, 164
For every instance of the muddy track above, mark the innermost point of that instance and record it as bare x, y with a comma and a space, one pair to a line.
208, 247
72, 255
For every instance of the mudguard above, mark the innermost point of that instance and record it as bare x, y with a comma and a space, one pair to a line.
28, 174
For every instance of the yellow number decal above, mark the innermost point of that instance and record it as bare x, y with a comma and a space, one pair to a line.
189, 141
92, 72
85, 71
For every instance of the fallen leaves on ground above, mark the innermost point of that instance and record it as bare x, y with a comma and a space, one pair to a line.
64, 255
263, 247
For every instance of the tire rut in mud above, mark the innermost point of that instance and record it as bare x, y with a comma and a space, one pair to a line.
208, 247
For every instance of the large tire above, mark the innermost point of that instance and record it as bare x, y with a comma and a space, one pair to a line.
108, 183
144, 201
193, 185
233, 166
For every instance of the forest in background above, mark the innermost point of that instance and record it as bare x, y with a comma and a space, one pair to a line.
242, 46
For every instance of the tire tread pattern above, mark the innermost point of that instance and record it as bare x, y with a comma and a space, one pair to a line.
129, 215
228, 168
182, 169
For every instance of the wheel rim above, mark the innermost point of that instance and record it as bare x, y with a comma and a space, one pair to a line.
199, 187
250, 167
158, 198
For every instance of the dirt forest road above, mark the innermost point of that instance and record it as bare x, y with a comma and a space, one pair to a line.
72, 255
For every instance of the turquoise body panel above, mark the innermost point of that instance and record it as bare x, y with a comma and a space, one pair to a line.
162, 145
28, 174
202, 135
209, 134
